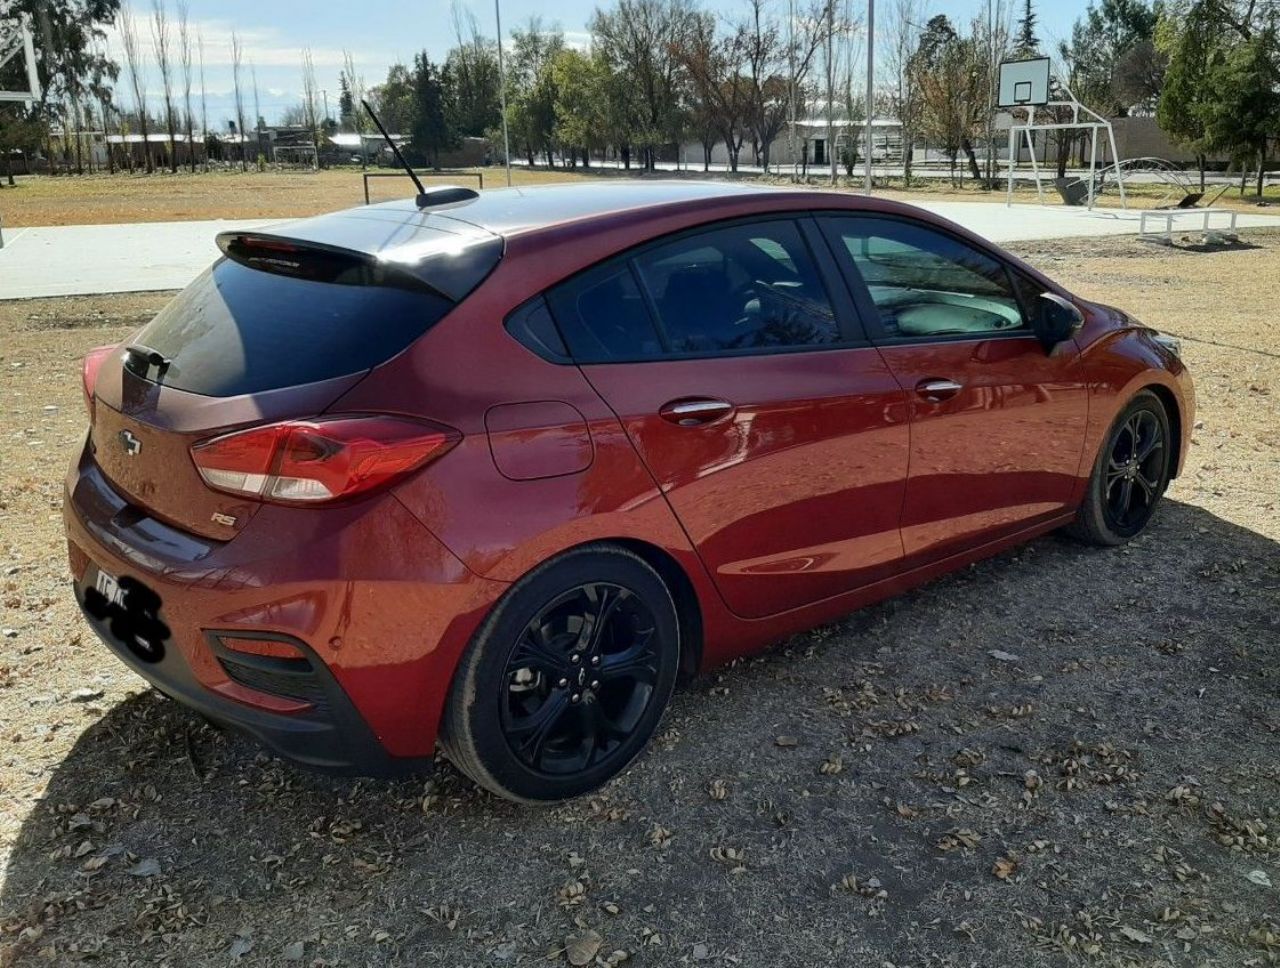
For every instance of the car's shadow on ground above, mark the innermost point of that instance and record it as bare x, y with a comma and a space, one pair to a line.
1032, 758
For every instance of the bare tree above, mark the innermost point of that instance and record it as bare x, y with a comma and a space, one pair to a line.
309, 92
162, 37
237, 61
135, 65
184, 58
204, 100
720, 89
770, 59
257, 112
355, 84
900, 47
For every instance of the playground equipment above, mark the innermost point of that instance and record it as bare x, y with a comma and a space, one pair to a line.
1025, 86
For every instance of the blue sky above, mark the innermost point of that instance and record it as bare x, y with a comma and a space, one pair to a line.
380, 32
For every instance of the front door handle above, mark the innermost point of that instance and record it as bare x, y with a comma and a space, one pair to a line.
695, 411
938, 390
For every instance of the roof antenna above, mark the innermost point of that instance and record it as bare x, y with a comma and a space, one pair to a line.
423, 200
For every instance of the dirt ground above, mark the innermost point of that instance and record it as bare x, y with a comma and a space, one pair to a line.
164, 197
1062, 756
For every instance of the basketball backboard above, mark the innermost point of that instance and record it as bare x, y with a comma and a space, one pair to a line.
18, 78
1024, 82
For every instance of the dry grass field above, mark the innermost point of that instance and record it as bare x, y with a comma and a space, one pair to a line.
163, 197
1110, 796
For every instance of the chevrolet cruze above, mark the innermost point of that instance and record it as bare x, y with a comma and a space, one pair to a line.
494, 470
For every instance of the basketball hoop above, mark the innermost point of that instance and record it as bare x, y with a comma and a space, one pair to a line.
1024, 86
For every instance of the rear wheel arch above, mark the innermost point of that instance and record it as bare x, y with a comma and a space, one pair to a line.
673, 574
685, 596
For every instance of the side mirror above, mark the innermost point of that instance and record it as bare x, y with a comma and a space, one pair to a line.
1056, 320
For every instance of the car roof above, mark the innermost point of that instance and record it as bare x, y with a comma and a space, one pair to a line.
401, 232
505, 211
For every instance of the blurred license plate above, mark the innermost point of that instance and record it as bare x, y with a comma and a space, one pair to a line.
109, 588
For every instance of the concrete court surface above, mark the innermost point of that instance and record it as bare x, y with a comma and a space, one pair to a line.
93, 259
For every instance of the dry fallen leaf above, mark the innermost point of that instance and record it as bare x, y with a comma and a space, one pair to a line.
1005, 868
582, 948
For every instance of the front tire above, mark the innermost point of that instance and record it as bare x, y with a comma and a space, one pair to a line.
1129, 476
567, 679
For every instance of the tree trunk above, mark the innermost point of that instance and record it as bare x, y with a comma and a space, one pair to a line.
764, 157
8, 166
1262, 166
707, 148
973, 159
626, 157
906, 158
1200, 160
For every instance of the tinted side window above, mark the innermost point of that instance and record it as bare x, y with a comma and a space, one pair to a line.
604, 317
742, 287
925, 283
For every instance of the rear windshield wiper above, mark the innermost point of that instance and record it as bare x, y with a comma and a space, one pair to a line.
140, 359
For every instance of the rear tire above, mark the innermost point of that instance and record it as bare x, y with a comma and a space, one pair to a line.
567, 679
1129, 476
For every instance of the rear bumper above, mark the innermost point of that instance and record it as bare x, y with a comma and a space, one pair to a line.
330, 735
379, 608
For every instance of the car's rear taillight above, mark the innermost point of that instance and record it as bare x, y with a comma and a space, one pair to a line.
93, 361
325, 459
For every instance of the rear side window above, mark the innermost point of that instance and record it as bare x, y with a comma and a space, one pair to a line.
241, 330
743, 288
604, 317
926, 284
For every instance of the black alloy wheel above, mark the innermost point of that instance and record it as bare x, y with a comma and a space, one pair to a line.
567, 678
579, 679
1135, 472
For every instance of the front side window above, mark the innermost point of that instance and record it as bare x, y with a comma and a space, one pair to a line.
927, 284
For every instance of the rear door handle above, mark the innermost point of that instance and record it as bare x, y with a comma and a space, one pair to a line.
937, 390
695, 411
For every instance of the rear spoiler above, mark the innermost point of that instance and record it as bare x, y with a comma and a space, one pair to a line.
450, 269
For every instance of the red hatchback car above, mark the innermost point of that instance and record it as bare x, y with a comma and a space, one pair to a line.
494, 470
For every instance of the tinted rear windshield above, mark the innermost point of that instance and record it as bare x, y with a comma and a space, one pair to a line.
241, 330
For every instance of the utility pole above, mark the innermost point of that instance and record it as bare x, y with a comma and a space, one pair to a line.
791, 94
831, 87
325, 94
502, 90
871, 82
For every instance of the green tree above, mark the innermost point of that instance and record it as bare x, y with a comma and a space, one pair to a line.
473, 66
1028, 44
1100, 40
582, 85
346, 103
430, 127
394, 99
1194, 42
1241, 115
639, 39
531, 93
69, 41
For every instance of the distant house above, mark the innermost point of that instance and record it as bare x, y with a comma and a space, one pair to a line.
808, 144
126, 150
